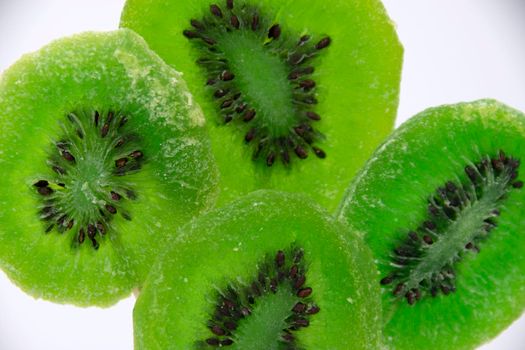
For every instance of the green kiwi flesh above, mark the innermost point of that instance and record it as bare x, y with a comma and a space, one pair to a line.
296, 94
268, 271
441, 205
101, 151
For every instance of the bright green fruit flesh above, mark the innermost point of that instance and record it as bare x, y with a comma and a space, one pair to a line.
185, 300
441, 205
101, 151
345, 60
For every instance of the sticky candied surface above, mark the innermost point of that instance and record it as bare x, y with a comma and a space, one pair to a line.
390, 197
357, 88
228, 244
97, 71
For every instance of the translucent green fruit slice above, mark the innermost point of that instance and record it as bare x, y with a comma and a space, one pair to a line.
268, 271
101, 151
441, 205
297, 94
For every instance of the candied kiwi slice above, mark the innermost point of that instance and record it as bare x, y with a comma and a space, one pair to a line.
293, 98
440, 204
284, 127
253, 275
102, 150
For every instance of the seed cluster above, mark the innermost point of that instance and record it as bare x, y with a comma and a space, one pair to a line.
295, 54
84, 139
444, 208
283, 270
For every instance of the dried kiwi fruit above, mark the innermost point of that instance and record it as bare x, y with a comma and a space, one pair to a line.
297, 94
268, 271
101, 151
441, 205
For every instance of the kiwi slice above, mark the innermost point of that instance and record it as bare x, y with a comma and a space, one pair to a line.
268, 271
102, 150
441, 205
297, 94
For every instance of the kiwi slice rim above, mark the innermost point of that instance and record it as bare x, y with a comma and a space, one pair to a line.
465, 189
371, 75
101, 147
258, 258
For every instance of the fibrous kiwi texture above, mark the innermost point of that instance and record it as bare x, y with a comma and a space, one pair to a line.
296, 94
102, 152
268, 271
441, 205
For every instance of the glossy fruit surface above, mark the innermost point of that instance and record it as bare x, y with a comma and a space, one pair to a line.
101, 151
441, 205
296, 94
269, 271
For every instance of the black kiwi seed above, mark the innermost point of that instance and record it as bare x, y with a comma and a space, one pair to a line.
68, 156
250, 135
91, 231
41, 183
227, 76
323, 43
45, 191
488, 182
301, 152
255, 22
249, 115
234, 304
216, 10
190, 34
108, 132
206, 33
119, 163
104, 130
274, 32
111, 209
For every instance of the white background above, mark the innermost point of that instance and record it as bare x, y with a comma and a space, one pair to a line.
455, 50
